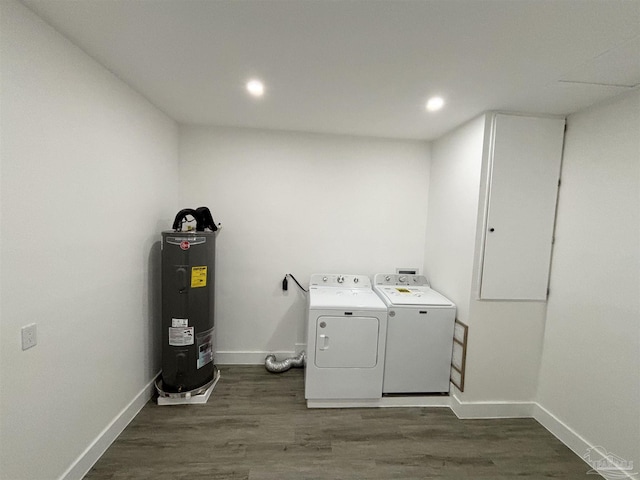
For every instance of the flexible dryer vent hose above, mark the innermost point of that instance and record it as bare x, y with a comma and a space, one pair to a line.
275, 366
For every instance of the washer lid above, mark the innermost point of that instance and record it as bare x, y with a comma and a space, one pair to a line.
408, 295
345, 298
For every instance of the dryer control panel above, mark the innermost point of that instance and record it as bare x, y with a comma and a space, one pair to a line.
339, 280
401, 279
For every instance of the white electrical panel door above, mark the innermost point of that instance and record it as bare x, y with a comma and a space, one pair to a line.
524, 171
346, 342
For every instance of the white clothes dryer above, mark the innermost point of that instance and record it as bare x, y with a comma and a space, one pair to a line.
347, 327
419, 335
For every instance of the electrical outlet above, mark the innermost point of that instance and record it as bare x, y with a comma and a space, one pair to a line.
29, 337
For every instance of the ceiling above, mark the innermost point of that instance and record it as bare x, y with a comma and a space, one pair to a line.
358, 67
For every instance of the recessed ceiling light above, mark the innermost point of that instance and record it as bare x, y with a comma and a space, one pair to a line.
255, 88
435, 103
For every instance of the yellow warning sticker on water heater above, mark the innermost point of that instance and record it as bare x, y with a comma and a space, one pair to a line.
198, 277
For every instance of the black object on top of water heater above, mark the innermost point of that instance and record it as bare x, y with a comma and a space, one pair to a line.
188, 264
202, 216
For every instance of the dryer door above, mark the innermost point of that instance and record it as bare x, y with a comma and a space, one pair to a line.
347, 342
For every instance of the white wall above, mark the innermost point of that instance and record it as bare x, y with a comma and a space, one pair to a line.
454, 189
505, 338
505, 347
89, 178
301, 204
589, 378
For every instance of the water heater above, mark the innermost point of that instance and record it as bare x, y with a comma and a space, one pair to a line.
188, 329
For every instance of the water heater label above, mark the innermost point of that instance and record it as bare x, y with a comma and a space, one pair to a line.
180, 337
198, 277
205, 348
180, 322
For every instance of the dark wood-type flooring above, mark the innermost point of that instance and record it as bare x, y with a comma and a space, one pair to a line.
256, 426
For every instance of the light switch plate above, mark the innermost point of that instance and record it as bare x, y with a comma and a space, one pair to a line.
29, 336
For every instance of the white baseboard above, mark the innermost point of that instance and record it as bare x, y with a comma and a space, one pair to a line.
468, 410
384, 402
96, 449
576, 443
560, 430
247, 358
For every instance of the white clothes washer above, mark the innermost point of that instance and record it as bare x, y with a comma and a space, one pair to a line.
419, 335
347, 327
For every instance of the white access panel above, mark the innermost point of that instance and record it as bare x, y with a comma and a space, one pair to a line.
347, 342
524, 170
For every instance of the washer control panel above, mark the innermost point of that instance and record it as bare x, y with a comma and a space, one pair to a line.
339, 280
400, 279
